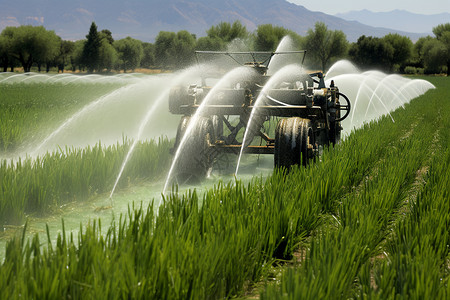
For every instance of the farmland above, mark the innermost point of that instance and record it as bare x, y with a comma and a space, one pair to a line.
369, 220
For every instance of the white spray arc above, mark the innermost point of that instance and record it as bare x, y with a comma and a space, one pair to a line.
161, 99
289, 71
77, 115
113, 116
278, 66
233, 74
373, 93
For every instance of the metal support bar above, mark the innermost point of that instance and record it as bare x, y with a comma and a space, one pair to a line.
278, 111
235, 149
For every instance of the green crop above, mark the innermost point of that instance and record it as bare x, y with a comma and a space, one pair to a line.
40, 185
390, 237
369, 219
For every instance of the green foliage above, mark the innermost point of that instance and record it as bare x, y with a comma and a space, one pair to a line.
130, 52
30, 44
207, 43
174, 50
418, 50
66, 48
435, 56
108, 56
268, 37
410, 70
442, 33
91, 50
107, 34
228, 32
367, 221
185, 47
76, 55
45, 183
165, 49
5, 55
372, 52
402, 46
148, 58
388, 239
440, 30
324, 45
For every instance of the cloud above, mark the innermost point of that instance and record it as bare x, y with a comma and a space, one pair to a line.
8, 21
39, 20
84, 12
127, 17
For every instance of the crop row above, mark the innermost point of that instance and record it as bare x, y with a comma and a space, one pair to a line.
390, 237
342, 212
187, 250
39, 186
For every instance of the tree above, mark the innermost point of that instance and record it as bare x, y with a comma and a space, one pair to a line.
184, 49
29, 44
228, 32
418, 50
372, 52
207, 43
442, 33
174, 50
165, 49
402, 46
91, 49
268, 37
324, 45
5, 57
148, 58
435, 56
76, 57
130, 53
65, 50
440, 30
108, 56
106, 34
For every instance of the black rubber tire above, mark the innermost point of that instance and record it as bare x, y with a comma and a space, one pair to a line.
197, 156
294, 139
182, 126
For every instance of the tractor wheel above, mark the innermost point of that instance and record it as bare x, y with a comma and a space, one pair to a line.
294, 142
182, 126
196, 155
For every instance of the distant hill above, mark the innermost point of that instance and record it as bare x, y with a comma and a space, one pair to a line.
398, 19
144, 19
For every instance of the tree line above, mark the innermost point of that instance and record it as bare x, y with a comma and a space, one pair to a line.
29, 46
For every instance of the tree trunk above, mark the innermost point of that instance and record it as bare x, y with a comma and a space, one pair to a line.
26, 64
5, 63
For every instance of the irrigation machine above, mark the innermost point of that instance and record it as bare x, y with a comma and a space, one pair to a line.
306, 112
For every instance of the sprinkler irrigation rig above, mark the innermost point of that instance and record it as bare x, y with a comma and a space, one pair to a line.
308, 113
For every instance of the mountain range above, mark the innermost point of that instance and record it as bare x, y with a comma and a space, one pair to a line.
397, 19
144, 19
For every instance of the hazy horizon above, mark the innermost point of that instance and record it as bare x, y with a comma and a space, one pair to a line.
333, 7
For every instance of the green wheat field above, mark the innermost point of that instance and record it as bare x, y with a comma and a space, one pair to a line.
369, 220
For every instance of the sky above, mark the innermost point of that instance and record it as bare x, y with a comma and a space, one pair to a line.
332, 7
